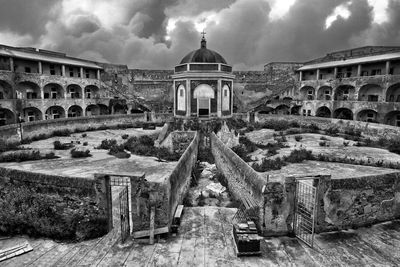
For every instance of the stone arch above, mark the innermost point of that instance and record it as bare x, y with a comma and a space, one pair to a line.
325, 93
92, 91
6, 90
287, 98
53, 91
368, 115
92, 110
343, 113
226, 95
181, 98
295, 110
6, 116
393, 118
307, 92
203, 91
282, 110
104, 110
32, 114
75, 111
55, 112
323, 112
393, 93
119, 108
28, 90
266, 110
345, 92
74, 91
370, 92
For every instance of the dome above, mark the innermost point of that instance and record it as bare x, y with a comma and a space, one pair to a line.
203, 55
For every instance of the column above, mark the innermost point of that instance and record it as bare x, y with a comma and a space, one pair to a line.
81, 72
62, 70
188, 99
317, 74
387, 67
40, 67
41, 92
301, 76
11, 64
98, 75
335, 70
219, 97
359, 70
174, 98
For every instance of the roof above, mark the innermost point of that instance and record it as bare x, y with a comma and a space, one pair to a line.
352, 61
15, 53
203, 55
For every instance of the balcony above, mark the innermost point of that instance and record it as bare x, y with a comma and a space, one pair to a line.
201, 67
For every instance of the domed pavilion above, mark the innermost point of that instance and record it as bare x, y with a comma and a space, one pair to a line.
203, 85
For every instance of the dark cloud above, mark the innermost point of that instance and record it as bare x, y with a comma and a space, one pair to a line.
244, 34
27, 16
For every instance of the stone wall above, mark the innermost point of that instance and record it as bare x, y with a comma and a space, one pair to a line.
49, 205
243, 182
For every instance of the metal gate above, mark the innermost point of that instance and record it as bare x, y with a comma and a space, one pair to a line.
124, 213
305, 210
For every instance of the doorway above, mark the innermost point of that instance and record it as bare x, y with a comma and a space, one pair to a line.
203, 107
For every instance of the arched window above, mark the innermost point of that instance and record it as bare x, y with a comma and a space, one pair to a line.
181, 99
225, 98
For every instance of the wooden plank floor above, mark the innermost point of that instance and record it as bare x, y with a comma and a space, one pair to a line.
205, 239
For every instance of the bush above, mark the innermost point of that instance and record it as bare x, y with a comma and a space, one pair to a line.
121, 155
65, 132
80, 153
146, 140
7, 146
242, 152
299, 155
345, 143
323, 138
298, 138
85, 143
332, 130
269, 165
62, 146
249, 145
205, 155
125, 136
107, 144
20, 156
322, 143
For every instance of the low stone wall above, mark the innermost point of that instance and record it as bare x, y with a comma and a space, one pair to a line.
367, 128
164, 195
243, 182
48, 205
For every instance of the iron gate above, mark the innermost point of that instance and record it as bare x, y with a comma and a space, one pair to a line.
124, 213
305, 210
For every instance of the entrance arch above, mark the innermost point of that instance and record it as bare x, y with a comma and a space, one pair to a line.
75, 111
55, 112
32, 114
325, 93
393, 118
393, 93
282, 110
6, 116
345, 92
323, 112
343, 113
370, 92
28, 90
203, 93
367, 115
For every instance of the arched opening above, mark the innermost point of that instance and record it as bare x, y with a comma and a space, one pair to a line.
393, 118
286, 98
282, 110
295, 110
104, 110
75, 111
307, 93
266, 110
92, 91
393, 93
181, 98
6, 91
345, 93
74, 91
136, 111
32, 114
120, 109
323, 112
367, 115
54, 112
226, 98
370, 92
53, 91
325, 93
343, 114
203, 93
28, 90
6, 117
92, 110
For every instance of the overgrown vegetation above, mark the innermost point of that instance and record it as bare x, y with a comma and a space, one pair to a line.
62, 146
296, 156
75, 153
25, 155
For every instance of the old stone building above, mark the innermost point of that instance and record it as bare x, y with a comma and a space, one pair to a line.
203, 85
356, 84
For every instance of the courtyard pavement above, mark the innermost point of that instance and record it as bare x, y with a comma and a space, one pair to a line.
205, 239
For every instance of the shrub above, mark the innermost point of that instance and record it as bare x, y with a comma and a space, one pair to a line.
332, 130
85, 143
299, 155
65, 132
242, 152
20, 156
323, 138
146, 140
249, 145
7, 146
346, 143
322, 143
165, 154
107, 144
205, 154
298, 138
80, 153
121, 155
294, 124
125, 136
313, 128
269, 165
61, 146
84, 135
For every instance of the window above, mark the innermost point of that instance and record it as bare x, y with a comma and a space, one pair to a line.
309, 112
87, 73
181, 93
391, 71
71, 72
373, 98
28, 69
310, 92
364, 73
225, 93
311, 73
46, 95
52, 70
53, 93
327, 92
304, 112
370, 115
376, 72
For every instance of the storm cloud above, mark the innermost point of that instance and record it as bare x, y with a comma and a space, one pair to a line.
158, 33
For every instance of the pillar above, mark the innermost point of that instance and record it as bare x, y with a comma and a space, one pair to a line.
359, 70
301, 76
317, 74
335, 72
62, 70
81, 72
174, 98
188, 99
387, 67
11, 64
98, 75
40, 67
219, 96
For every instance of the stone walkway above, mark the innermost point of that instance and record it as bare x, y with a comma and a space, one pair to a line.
205, 240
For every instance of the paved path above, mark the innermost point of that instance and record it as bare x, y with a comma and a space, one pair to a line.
205, 240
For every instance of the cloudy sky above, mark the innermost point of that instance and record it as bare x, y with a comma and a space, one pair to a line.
158, 33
